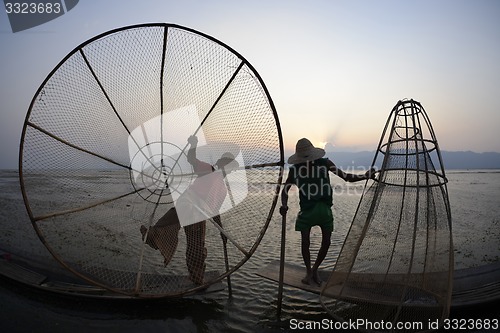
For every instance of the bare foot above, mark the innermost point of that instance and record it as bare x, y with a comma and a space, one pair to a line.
316, 278
143, 231
308, 279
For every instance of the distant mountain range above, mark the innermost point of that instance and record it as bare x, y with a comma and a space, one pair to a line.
451, 159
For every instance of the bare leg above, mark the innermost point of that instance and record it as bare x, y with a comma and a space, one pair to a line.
325, 245
306, 255
169, 218
163, 235
196, 251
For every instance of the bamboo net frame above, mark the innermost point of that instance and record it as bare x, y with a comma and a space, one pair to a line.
396, 263
104, 150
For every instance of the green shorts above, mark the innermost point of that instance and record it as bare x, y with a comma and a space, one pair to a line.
320, 215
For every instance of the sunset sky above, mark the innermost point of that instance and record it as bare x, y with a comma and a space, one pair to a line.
334, 69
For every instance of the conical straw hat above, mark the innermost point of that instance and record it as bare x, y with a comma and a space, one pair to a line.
305, 151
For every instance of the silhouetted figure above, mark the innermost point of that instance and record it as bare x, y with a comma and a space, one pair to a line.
310, 173
200, 201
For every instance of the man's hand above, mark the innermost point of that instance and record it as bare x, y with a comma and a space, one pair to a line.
283, 210
193, 140
370, 174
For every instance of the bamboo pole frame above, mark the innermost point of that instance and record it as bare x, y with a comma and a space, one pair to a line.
81, 52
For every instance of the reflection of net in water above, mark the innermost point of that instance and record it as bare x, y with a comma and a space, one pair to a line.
104, 151
396, 263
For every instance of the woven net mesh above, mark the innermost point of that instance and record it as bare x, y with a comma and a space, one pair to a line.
104, 157
396, 263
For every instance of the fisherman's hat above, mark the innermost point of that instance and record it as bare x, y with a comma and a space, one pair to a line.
305, 151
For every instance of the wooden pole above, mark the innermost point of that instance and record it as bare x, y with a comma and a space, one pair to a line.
224, 238
226, 259
282, 265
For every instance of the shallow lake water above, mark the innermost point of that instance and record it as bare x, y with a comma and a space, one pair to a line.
473, 195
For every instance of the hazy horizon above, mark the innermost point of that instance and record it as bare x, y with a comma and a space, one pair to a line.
455, 160
334, 69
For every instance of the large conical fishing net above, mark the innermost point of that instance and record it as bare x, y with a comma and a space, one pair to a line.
105, 156
396, 263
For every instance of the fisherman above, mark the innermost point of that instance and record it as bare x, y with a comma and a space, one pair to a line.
310, 173
201, 200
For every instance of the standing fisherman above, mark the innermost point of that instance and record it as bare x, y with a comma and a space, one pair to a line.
309, 173
200, 201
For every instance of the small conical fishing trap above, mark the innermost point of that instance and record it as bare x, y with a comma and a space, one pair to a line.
105, 155
396, 263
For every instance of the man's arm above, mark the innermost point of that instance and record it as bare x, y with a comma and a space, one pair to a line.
191, 155
349, 177
284, 194
200, 168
